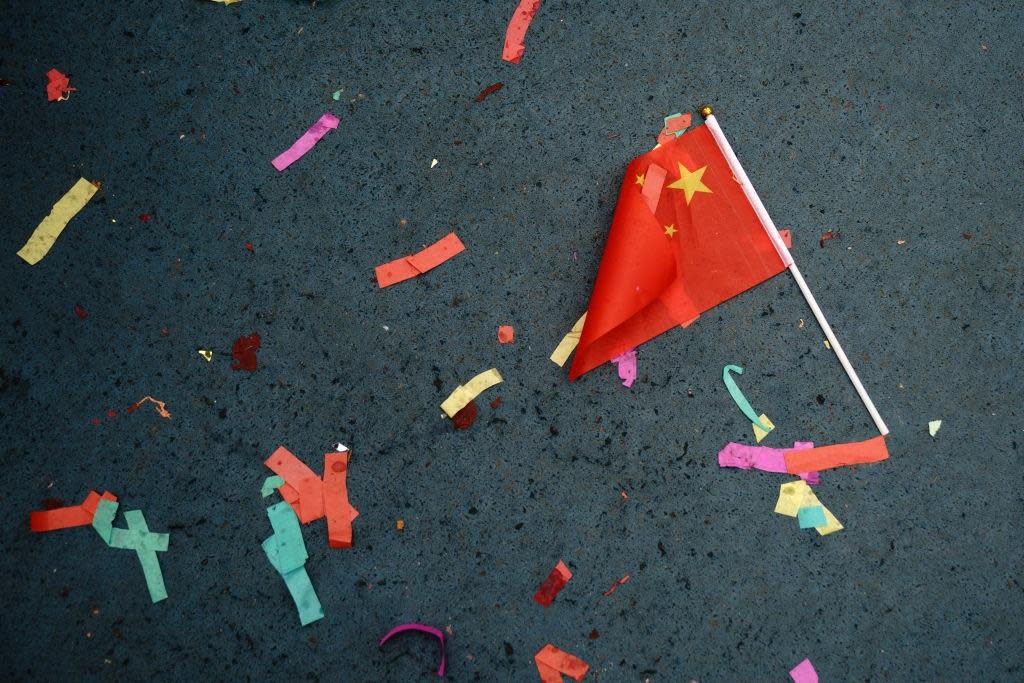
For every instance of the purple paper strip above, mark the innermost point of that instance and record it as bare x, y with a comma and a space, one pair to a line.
764, 458
627, 367
319, 129
424, 629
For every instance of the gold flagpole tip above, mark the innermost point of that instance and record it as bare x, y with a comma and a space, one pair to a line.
706, 110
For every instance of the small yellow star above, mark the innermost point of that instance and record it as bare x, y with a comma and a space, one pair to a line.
670, 230
689, 182
640, 180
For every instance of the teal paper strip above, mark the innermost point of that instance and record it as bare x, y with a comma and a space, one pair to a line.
811, 517
739, 398
137, 537
286, 552
103, 520
270, 484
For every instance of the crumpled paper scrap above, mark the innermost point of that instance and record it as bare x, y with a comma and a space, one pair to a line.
627, 367
465, 393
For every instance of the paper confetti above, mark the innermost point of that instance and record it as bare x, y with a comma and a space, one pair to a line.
137, 537
337, 509
933, 427
58, 86
465, 393
318, 130
226, 2
516, 31
207, 355
568, 343
627, 367
244, 352
270, 484
836, 455
506, 334
555, 582
422, 628
810, 517
763, 458
804, 673
47, 232
465, 418
489, 90
677, 123
408, 267
81, 312
160, 406
795, 495
739, 398
286, 552
67, 517
759, 433
618, 582
552, 663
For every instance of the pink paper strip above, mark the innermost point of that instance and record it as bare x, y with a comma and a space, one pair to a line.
653, 181
764, 458
319, 129
516, 31
627, 367
804, 672
424, 629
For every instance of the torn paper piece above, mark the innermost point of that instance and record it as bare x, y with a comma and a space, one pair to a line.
207, 355
489, 90
837, 455
787, 237
506, 334
136, 537
303, 489
809, 517
552, 663
739, 398
58, 86
226, 2
433, 163
654, 180
677, 123
81, 312
615, 586
271, 483
763, 458
569, 342
470, 390
465, 418
244, 352
160, 406
804, 673
337, 509
627, 367
47, 232
422, 628
933, 427
795, 495
555, 582
325, 124
759, 433
516, 31
286, 552
67, 517
408, 267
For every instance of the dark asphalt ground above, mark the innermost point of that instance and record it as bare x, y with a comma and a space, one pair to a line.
886, 121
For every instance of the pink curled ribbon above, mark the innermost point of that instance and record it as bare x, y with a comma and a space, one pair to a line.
424, 629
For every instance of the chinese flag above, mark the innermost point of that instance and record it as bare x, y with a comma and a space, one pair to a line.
684, 238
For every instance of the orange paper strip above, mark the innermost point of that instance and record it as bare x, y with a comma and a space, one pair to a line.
408, 267
310, 504
338, 510
837, 455
552, 663
67, 517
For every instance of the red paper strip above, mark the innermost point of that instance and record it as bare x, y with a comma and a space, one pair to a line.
837, 455
552, 663
618, 582
408, 267
516, 31
489, 90
555, 582
338, 510
309, 505
67, 517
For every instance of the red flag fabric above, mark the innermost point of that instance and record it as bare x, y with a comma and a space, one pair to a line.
674, 254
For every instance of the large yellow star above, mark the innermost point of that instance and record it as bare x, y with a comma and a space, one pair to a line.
689, 182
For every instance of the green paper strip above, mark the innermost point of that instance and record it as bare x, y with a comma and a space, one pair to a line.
103, 520
287, 554
739, 398
270, 484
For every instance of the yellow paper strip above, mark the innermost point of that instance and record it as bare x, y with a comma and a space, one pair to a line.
47, 232
794, 495
760, 433
568, 343
470, 390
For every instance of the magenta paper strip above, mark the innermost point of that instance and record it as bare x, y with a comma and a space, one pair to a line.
319, 129
627, 367
424, 629
763, 458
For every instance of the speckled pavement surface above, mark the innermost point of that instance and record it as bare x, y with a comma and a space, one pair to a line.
883, 122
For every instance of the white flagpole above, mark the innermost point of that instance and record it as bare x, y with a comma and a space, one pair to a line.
787, 259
